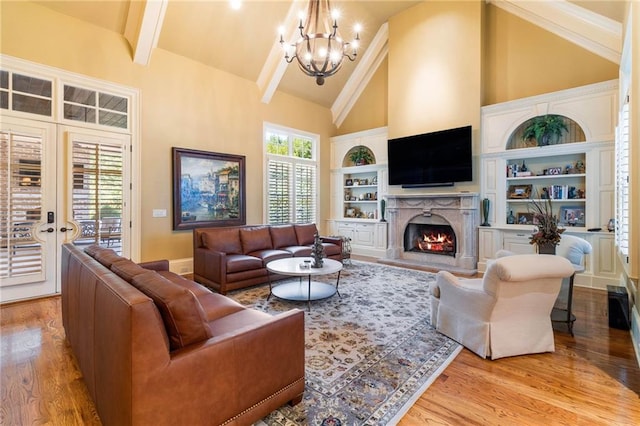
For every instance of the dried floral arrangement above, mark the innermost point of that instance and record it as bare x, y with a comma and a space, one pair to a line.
548, 231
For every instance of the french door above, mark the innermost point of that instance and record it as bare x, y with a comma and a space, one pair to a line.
58, 184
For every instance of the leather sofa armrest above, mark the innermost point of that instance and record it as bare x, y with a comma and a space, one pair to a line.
156, 265
268, 354
334, 240
210, 264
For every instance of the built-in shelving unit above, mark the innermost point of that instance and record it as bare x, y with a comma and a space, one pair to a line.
357, 191
577, 173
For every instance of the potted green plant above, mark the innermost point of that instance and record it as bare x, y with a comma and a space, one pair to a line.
361, 155
545, 129
547, 235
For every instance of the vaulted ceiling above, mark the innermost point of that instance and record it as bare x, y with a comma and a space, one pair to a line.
244, 42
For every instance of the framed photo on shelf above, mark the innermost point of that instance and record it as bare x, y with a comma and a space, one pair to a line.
519, 191
525, 219
208, 189
572, 216
350, 212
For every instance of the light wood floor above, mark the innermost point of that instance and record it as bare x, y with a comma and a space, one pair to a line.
592, 379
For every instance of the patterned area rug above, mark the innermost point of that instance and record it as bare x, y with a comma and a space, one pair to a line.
370, 353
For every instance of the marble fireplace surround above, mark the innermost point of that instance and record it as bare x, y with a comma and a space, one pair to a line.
460, 210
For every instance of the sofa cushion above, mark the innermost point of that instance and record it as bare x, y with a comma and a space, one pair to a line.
305, 233
298, 251
127, 269
255, 238
183, 316
283, 236
269, 255
222, 240
241, 262
107, 257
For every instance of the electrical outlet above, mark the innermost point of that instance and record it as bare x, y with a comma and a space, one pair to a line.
159, 213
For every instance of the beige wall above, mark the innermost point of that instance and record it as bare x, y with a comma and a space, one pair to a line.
523, 60
183, 104
370, 110
434, 67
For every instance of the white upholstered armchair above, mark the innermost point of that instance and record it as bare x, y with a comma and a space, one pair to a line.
505, 313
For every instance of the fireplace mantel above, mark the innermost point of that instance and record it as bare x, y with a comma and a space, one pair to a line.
459, 209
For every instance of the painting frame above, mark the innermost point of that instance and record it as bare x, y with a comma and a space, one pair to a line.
572, 215
208, 189
519, 192
525, 219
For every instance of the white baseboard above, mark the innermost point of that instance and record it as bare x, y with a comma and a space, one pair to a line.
181, 266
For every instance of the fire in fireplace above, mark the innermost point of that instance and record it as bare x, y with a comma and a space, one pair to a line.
436, 239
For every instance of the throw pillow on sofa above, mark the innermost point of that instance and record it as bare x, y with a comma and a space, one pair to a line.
181, 312
306, 233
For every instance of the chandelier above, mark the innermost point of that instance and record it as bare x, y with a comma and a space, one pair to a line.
320, 50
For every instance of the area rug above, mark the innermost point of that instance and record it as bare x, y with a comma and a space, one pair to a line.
370, 352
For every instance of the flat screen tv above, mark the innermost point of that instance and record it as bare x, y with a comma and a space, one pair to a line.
431, 159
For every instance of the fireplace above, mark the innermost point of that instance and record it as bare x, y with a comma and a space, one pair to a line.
428, 238
451, 219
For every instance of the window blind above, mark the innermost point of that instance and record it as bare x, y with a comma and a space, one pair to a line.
20, 204
279, 192
622, 182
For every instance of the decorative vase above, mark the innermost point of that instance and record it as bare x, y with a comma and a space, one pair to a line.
383, 204
547, 248
485, 212
317, 252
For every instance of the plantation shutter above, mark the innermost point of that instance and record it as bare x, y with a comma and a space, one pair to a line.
20, 204
279, 192
305, 188
622, 182
98, 191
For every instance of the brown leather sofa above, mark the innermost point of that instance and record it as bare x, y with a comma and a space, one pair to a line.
235, 257
156, 348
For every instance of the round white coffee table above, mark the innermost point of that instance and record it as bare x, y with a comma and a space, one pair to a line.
303, 291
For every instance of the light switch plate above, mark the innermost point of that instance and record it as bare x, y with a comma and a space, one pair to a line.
159, 213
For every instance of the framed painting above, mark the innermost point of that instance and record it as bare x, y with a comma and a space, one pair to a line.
519, 191
572, 216
525, 218
208, 189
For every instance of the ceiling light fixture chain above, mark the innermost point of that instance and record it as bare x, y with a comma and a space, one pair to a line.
320, 50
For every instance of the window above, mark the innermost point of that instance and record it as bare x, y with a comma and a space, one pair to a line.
25, 93
291, 176
622, 182
90, 106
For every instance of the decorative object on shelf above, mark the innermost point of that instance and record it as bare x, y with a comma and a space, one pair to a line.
572, 215
525, 218
519, 191
611, 226
524, 167
511, 219
547, 234
553, 171
485, 212
545, 129
579, 167
383, 205
348, 182
319, 49
317, 252
361, 155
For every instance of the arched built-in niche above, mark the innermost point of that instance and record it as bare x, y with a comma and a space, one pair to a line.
359, 155
573, 133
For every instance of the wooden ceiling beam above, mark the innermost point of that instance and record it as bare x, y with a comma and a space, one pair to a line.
596, 33
142, 31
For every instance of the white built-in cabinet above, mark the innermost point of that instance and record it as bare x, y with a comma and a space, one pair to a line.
577, 173
357, 191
